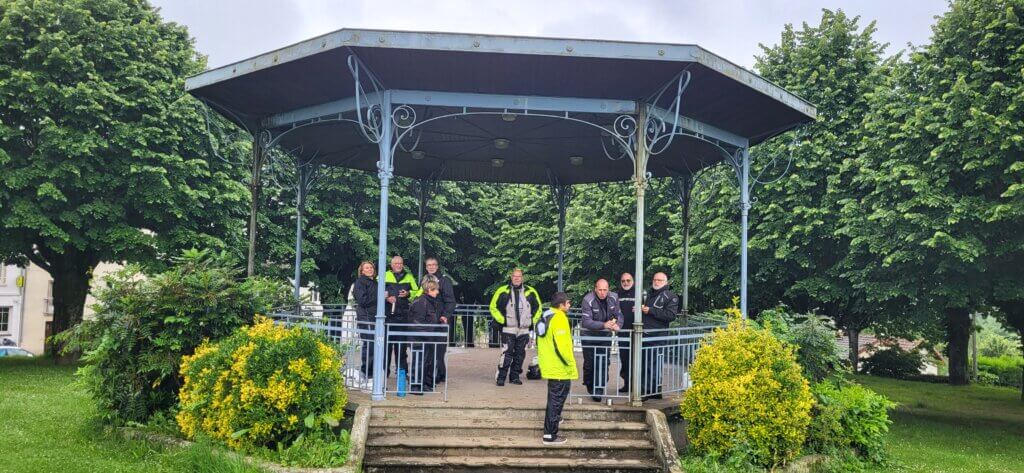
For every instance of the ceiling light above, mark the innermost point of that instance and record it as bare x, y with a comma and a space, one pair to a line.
497, 162
501, 143
418, 154
576, 160
509, 117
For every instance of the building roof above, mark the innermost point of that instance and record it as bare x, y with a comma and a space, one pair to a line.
529, 77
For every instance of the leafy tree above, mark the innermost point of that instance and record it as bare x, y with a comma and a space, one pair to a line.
796, 254
940, 171
104, 158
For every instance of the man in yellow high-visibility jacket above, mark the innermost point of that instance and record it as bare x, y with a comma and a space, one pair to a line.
557, 363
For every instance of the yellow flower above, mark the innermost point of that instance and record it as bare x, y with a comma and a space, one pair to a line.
301, 368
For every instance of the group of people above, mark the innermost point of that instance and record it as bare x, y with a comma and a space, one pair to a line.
515, 310
431, 301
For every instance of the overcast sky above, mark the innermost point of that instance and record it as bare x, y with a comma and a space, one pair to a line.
231, 30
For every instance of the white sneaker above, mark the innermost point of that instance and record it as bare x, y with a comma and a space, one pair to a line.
556, 440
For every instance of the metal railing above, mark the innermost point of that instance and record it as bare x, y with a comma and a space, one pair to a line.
603, 354
473, 326
338, 323
665, 358
666, 354
420, 350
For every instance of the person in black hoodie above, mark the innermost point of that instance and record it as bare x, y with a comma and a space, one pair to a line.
427, 310
659, 310
364, 294
447, 298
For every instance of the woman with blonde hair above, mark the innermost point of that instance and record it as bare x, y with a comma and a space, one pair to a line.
364, 293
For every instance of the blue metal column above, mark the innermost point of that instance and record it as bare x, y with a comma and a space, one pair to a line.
744, 213
640, 182
384, 171
300, 202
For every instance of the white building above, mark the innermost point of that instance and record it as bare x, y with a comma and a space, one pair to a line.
26, 304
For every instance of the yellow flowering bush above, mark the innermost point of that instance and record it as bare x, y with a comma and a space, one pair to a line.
749, 398
261, 386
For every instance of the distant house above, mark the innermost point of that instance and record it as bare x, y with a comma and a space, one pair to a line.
26, 304
868, 344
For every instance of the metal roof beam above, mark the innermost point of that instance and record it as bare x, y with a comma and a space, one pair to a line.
323, 110
513, 103
700, 128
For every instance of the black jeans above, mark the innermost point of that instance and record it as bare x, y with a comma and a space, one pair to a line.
625, 366
595, 377
366, 351
650, 369
397, 348
511, 362
558, 391
424, 375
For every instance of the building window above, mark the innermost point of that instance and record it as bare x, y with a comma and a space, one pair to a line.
5, 319
48, 302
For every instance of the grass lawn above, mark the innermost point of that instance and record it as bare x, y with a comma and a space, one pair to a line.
940, 428
47, 425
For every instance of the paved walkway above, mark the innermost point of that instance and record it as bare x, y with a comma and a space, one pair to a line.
471, 373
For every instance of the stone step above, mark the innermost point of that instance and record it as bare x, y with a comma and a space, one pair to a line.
448, 427
492, 464
507, 446
591, 413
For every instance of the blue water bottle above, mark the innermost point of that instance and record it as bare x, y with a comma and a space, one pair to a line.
401, 382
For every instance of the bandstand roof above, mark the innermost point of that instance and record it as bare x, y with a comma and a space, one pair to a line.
508, 98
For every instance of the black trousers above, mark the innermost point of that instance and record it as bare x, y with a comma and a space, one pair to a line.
596, 358
423, 375
442, 370
510, 363
558, 391
397, 349
650, 370
468, 328
366, 351
625, 366
451, 330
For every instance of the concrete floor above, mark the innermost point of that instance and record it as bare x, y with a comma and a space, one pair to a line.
471, 373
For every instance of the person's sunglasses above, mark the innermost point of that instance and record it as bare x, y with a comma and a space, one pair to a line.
626, 280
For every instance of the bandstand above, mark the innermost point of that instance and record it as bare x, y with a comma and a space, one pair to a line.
502, 109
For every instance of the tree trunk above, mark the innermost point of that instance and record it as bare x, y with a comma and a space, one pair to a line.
958, 334
255, 191
70, 273
854, 345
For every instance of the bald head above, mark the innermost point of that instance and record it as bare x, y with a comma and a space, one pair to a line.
601, 288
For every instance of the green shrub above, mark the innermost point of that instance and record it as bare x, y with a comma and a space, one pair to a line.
144, 324
818, 351
263, 386
1002, 371
748, 398
893, 362
849, 416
